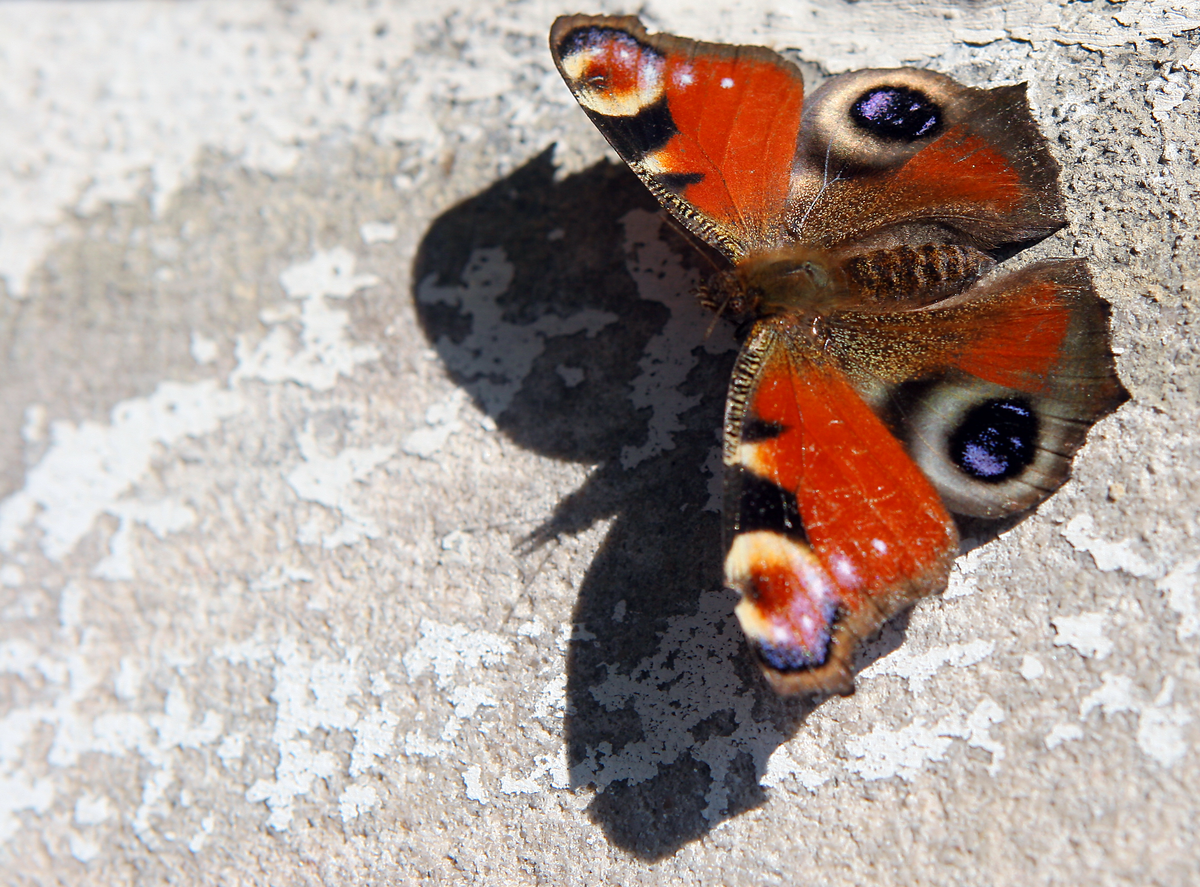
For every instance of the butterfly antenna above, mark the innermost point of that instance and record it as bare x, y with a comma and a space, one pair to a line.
720, 309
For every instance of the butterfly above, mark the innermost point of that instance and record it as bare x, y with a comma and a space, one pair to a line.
891, 376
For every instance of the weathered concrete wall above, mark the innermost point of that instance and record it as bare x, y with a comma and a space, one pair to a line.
357, 477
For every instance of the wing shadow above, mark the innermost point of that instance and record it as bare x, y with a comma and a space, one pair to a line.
666, 717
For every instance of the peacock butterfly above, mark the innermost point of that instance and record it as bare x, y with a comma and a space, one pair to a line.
890, 375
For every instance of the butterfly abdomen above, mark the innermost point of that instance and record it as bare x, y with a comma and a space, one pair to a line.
913, 275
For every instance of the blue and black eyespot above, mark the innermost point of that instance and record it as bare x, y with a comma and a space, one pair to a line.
996, 440
897, 113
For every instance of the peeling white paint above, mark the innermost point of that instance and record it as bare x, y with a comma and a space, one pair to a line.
326, 351
175, 728
232, 748
196, 843
1031, 668
1180, 586
161, 518
89, 468
963, 576
308, 696
1085, 633
442, 420
333, 481
448, 650
357, 800
1108, 556
1160, 723
496, 356
374, 736
473, 784
154, 743
246, 81
466, 701
689, 679
378, 232
1061, 733
784, 766
919, 667
19, 793
513, 786
884, 753
82, 848
204, 349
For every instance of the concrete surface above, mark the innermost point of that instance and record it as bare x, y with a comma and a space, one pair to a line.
357, 477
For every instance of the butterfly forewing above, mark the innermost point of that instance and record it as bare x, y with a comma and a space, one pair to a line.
711, 129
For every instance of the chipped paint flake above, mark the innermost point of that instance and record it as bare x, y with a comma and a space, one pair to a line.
19, 793
357, 800
690, 678
161, 518
378, 232
1179, 586
449, 649
325, 351
374, 736
1031, 668
1085, 633
89, 468
784, 766
308, 696
1061, 733
332, 482
473, 784
884, 753
513, 786
1108, 556
1160, 723
442, 420
917, 668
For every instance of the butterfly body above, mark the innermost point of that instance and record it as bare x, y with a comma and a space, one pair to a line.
890, 377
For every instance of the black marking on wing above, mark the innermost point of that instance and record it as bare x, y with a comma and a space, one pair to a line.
755, 430
643, 133
763, 505
677, 181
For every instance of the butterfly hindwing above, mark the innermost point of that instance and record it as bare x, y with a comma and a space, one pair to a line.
830, 526
710, 128
993, 390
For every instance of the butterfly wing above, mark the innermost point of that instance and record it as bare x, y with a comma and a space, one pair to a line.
711, 129
993, 390
846, 450
912, 156
831, 528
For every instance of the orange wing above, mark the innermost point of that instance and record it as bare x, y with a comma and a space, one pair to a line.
711, 129
993, 390
831, 526
903, 150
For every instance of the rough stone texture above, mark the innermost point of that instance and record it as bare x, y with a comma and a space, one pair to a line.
357, 477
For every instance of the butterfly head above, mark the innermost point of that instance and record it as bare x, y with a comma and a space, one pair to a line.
793, 280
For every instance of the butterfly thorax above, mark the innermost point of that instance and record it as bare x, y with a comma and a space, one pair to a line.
809, 282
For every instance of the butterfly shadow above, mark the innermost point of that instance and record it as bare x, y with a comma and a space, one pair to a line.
666, 719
